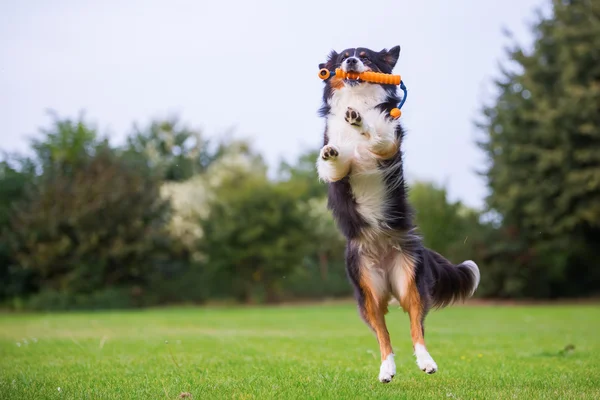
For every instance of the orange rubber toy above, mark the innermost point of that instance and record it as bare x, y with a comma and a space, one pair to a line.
368, 76
373, 77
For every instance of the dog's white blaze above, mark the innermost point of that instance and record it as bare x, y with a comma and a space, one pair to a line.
366, 179
424, 359
387, 369
475, 270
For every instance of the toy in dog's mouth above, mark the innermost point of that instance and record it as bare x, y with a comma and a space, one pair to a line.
352, 78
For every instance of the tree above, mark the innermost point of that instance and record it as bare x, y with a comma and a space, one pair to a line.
99, 227
190, 198
439, 221
174, 150
93, 218
66, 145
301, 177
450, 228
15, 176
542, 141
304, 174
61, 149
254, 235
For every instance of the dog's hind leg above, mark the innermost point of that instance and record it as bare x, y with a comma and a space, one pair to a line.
417, 312
410, 289
372, 295
373, 311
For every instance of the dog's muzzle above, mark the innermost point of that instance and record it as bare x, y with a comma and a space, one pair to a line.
353, 64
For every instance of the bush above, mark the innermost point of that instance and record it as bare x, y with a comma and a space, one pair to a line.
102, 225
103, 299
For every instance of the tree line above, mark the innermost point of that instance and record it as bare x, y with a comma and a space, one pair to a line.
173, 217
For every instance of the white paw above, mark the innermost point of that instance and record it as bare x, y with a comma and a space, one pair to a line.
424, 360
329, 152
387, 369
427, 364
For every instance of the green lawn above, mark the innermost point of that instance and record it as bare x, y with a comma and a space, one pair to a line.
299, 352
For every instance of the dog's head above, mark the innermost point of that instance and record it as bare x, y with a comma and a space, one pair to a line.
359, 59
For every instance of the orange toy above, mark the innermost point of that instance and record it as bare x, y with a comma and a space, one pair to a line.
373, 77
368, 76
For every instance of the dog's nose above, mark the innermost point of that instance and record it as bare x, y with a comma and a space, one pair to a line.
352, 61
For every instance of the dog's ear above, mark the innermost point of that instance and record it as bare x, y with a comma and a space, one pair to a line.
391, 57
333, 55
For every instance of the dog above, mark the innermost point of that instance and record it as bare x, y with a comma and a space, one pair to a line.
361, 162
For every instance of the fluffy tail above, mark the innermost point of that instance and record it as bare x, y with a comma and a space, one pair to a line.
451, 282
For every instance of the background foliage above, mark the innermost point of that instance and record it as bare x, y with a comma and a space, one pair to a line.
542, 142
173, 217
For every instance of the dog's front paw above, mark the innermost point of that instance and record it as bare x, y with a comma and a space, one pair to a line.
329, 152
353, 117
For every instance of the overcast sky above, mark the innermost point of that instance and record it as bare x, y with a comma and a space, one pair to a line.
253, 65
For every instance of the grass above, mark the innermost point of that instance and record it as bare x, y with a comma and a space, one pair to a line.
308, 352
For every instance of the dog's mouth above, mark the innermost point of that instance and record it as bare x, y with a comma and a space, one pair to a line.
353, 79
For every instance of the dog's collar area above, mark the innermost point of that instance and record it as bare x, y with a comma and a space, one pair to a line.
383, 78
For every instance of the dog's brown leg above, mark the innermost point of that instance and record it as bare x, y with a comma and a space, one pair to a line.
412, 302
373, 309
372, 295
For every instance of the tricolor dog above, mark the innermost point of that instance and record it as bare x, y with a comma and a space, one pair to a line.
361, 161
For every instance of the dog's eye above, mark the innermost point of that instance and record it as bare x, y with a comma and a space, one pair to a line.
364, 58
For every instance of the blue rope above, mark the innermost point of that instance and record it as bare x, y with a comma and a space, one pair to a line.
405, 94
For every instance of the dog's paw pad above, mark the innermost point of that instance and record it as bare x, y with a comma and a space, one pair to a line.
353, 117
329, 152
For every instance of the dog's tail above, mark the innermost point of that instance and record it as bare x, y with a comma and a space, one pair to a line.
451, 282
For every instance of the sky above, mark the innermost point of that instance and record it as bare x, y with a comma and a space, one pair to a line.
252, 66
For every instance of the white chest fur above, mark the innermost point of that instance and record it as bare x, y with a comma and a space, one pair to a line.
356, 143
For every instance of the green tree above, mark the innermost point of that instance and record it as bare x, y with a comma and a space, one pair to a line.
66, 145
303, 174
98, 227
255, 234
438, 220
301, 178
174, 150
542, 142
15, 176
450, 228
92, 219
